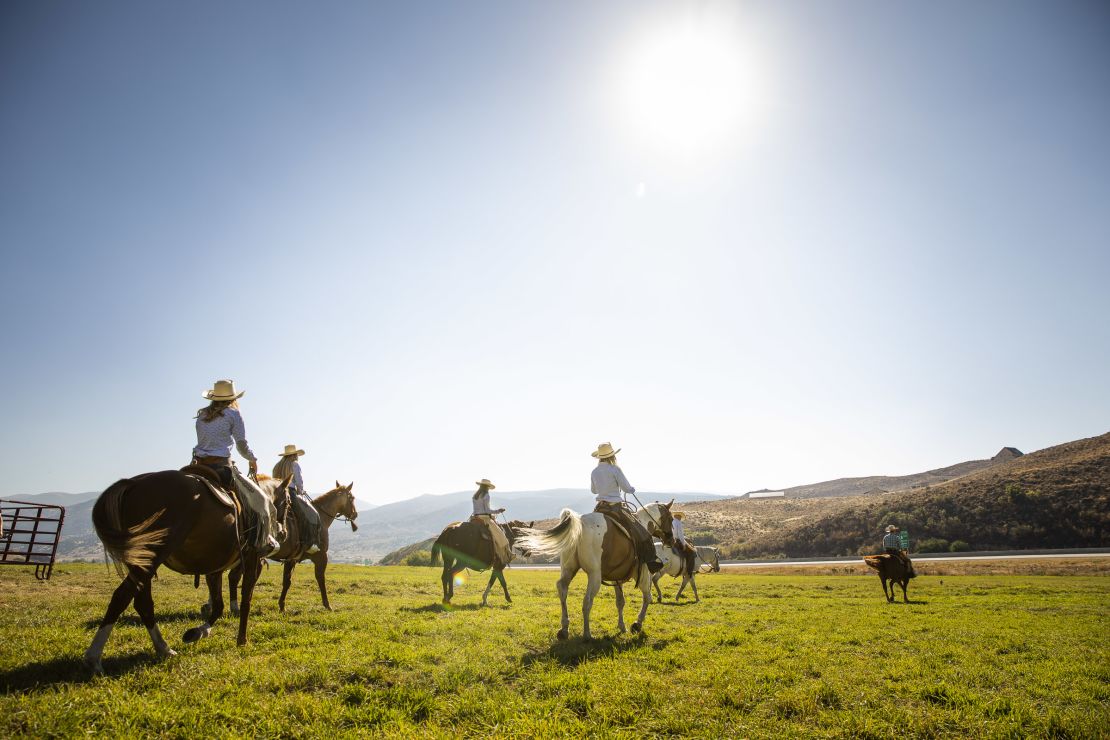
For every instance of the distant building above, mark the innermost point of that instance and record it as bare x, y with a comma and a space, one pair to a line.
767, 494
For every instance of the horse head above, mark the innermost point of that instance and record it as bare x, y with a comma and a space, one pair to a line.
347, 504
512, 532
659, 521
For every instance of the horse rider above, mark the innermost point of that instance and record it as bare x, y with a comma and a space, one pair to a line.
892, 544
608, 484
486, 517
218, 425
307, 516
681, 547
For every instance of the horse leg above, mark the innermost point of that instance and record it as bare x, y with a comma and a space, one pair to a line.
121, 598
485, 594
320, 560
902, 583
655, 582
251, 569
890, 596
592, 587
233, 577
569, 570
682, 585
645, 589
144, 605
694, 586
286, 580
620, 608
215, 610
504, 585
445, 577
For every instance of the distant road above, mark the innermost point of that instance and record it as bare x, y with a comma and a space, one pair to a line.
1099, 552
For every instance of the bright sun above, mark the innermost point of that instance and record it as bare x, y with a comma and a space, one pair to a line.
687, 90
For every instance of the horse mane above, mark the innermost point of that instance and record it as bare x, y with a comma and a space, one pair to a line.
328, 496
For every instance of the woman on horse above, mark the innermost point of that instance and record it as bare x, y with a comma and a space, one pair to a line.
485, 516
309, 518
219, 424
608, 483
681, 547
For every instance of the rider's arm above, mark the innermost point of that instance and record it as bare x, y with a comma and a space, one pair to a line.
298, 481
622, 482
239, 434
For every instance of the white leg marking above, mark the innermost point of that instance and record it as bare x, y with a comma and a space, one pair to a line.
96, 649
160, 645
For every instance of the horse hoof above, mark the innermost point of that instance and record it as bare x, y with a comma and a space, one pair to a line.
636, 628
620, 629
195, 633
234, 610
562, 634
169, 653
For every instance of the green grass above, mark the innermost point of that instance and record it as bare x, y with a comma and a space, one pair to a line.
760, 656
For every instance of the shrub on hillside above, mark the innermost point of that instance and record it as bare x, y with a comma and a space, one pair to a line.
932, 544
959, 546
421, 557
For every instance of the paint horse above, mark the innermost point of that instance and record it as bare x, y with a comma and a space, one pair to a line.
173, 519
338, 503
675, 567
590, 542
465, 545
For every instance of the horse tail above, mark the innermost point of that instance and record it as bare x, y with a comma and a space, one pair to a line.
873, 561
560, 540
133, 546
435, 552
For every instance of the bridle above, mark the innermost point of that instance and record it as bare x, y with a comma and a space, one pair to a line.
657, 522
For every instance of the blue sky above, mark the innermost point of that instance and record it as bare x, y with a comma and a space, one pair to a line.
440, 242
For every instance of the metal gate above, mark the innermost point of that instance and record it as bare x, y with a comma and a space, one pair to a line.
31, 534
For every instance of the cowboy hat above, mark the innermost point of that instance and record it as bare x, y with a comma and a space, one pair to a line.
892, 528
677, 515
222, 390
292, 450
604, 450
485, 482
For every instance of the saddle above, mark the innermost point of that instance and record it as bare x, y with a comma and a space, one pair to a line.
619, 562
206, 475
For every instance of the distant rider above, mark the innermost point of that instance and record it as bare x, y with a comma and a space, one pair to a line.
307, 516
486, 517
608, 483
892, 545
681, 547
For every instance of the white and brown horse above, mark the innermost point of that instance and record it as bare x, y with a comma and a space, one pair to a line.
675, 566
588, 542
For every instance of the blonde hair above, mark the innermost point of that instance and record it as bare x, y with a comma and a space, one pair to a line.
215, 410
284, 466
612, 459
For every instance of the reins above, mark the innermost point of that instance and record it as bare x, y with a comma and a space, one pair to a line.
658, 524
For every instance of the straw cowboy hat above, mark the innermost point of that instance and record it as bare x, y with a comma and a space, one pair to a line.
485, 482
292, 450
604, 450
222, 390
892, 528
677, 515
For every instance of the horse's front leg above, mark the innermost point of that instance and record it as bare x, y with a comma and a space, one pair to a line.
445, 578
485, 594
233, 577
682, 586
286, 581
620, 608
504, 585
144, 605
655, 582
121, 598
694, 586
215, 608
251, 569
902, 583
645, 588
320, 560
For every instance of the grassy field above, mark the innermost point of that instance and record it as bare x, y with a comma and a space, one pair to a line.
760, 656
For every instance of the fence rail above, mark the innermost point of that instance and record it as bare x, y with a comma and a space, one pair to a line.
30, 535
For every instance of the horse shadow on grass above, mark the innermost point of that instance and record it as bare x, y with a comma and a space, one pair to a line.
574, 652
674, 603
438, 608
45, 675
163, 618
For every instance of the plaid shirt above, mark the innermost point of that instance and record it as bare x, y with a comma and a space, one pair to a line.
892, 541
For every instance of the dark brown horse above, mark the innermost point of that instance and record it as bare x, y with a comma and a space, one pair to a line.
465, 545
335, 504
891, 568
170, 518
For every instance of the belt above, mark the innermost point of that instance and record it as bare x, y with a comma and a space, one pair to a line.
213, 460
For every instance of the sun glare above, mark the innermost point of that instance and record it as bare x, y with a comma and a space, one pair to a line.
688, 89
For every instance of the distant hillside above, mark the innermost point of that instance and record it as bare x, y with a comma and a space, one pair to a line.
1055, 498
877, 484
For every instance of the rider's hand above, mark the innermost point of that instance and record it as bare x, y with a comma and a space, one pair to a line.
253, 467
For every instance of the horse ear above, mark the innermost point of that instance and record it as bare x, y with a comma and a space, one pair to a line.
350, 485
670, 505
338, 484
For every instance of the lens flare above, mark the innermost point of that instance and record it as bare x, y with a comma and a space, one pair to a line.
462, 577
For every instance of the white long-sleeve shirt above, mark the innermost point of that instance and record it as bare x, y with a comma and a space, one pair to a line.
481, 504
607, 482
676, 530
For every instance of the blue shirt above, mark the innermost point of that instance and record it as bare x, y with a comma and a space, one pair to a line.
298, 482
214, 437
608, 481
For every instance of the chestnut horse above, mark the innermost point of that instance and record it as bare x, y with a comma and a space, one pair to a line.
336, 503
891, 568
463, 545
170, 518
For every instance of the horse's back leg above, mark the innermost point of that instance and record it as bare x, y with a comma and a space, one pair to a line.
121, 598
682, 585
568, 570
694, 586
903, 584
144, 605
215, 608
286, 581
592, 587
233, 577
489, 586
655, 582
504, 585
618, 592
320, 560
447, 577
